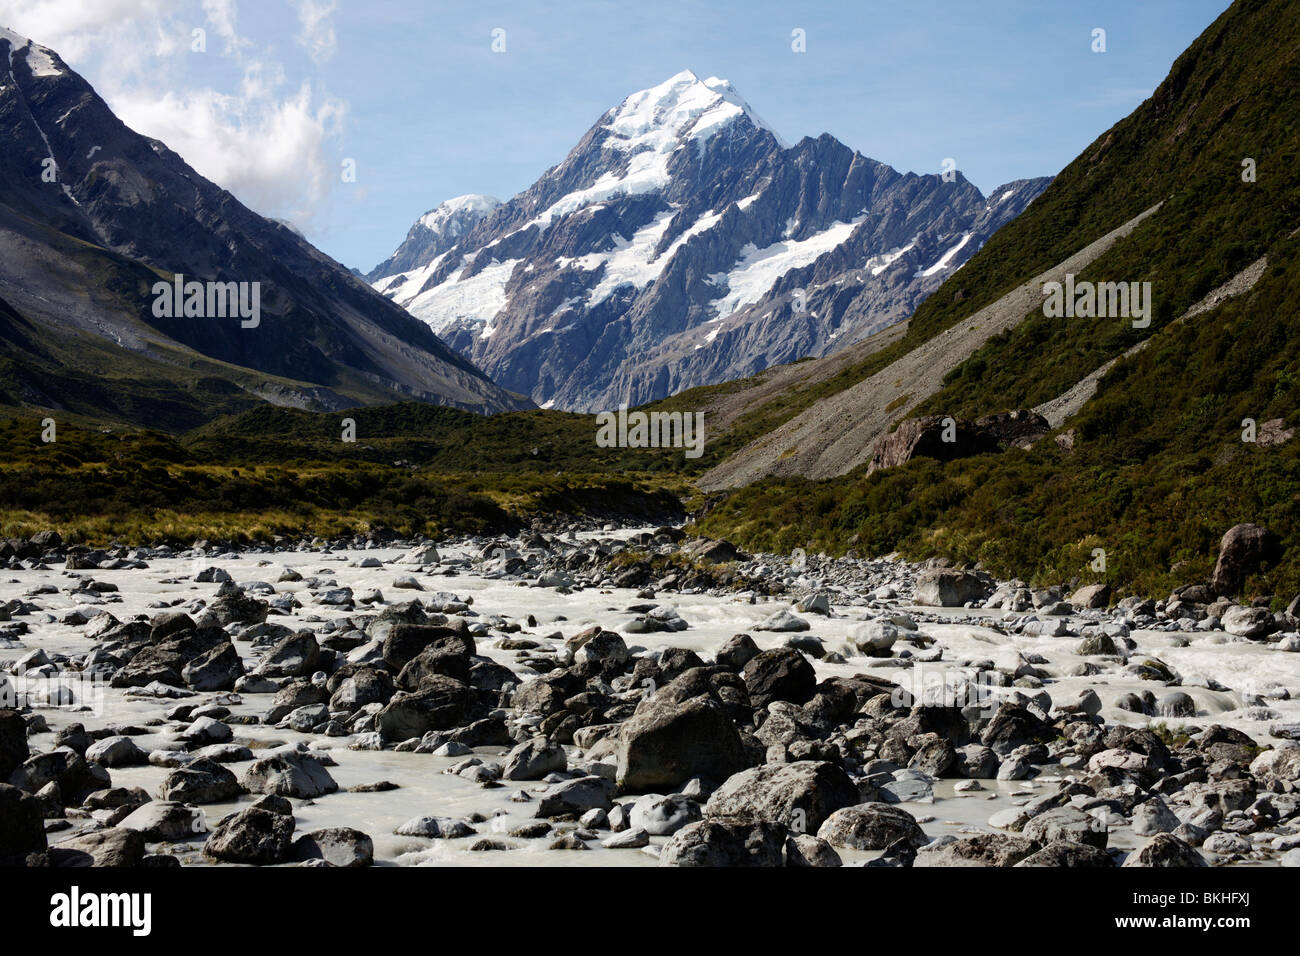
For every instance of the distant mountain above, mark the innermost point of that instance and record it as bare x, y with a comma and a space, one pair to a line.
682, 243
94, 215
435, 232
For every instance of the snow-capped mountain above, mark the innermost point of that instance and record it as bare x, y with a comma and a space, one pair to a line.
682, 243
435, 232
92, 215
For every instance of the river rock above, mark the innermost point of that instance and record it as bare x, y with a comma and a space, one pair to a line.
1241, 550
871, 826
576, 796
1165, 850
677, 734
1066, 823
13, 742
289, 773
166, 821
252, 836
338, 846
986, 849
116, 751
114, 846
947, 588
534, 759
779, 674
711, 843
297, 655
799, 795
1071, 855
201, 781
22, 825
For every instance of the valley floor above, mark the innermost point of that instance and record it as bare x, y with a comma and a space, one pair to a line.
1251, 686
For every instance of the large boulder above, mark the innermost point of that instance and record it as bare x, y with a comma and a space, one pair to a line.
338, 846
603, 653
302, 692
166, 623
534, 759
779, 674
116, 751
202, 781
1091, 596
947, 588
22, 825
166, 821
1165, 850
546, 695
441, 704
986, 849
437, 660
1068, 824
1243, 548
676, 734
289, 773
576, 796
1013, 726
1071, 855
252, 836
1277, 770
799, 795
871, 826
1248, 621
215, 669
711, 843
364, 685
238, 608
296, 655
932, 436
114, 846
737, 651
405, 642
13, 742
75, 776
165, 662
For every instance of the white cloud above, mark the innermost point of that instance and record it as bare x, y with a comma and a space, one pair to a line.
266, 139
221, 15
317, 34
72, 28
270, 151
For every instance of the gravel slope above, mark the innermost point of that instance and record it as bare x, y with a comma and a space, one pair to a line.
838, 434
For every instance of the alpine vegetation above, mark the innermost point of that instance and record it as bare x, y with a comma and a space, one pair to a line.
639, 429
1099, 300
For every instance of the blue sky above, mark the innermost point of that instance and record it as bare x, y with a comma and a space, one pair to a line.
285, 90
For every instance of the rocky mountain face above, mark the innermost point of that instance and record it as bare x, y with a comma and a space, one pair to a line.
682, 243
93, 215
435, 232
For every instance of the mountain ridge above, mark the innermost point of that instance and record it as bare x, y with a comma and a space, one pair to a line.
672, 246
133, 212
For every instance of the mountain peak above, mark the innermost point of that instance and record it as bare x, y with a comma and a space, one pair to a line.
458, 211
42, 61
681, 106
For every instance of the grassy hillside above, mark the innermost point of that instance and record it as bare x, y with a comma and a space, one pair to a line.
1158, 470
